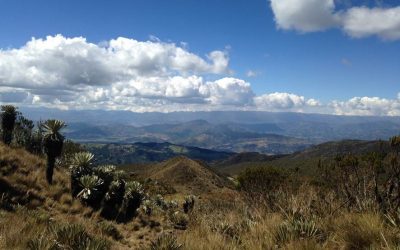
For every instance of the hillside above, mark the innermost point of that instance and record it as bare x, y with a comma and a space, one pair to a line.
188, 176
236, 163
34, 215
306, 160
29, 205
43, 212
150, 152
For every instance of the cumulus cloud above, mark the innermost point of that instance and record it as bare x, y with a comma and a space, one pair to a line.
318, 15
75, 72
230, 91
284, 101
304, 15
367, 106
64, 63
361, 22
126, 74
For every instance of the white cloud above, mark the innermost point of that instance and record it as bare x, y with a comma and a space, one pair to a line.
121, 73
304, 15
367, 106
125, 74
361, 22
318, 15
230, 91
76, 73
64, 63
284, 102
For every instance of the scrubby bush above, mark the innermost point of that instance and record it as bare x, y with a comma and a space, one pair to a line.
227, 229
113, 199
81, 165
133, 197
147, 207
74, 236
160, 202
180, 220
188, 203
165, 242
261, 179
8, 118
90, 193
297, 228
70, 148
41, 243
109, 229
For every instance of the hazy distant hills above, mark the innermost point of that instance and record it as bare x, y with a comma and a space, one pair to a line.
198, 133
97, 117
238, 131
150, 152
306, 160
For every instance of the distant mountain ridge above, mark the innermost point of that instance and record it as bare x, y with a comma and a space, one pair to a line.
197, 133
306, 160
238, 131
317, 126
102, 117
149, 152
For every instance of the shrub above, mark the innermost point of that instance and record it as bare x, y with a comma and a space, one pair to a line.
70, 148
134, 194
261, 179
90, 185
188, 204
74, 236
361, 231
113, 199
160, 202
40, 243
105, 172
110, 230
228, 230
180, 220
81, 164
165, 242
70, 235
8, 118
295, 229
5, 202
147, 207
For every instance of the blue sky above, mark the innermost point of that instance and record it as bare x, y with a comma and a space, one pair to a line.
266, 47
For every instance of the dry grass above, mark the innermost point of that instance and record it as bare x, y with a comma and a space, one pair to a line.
234, 229
36, 207
306, 218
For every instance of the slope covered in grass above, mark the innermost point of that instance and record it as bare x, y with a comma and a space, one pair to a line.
281, 215
188, 176
306, 160
35, 215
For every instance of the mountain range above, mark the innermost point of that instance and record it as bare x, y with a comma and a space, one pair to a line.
236, 131
120, 154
